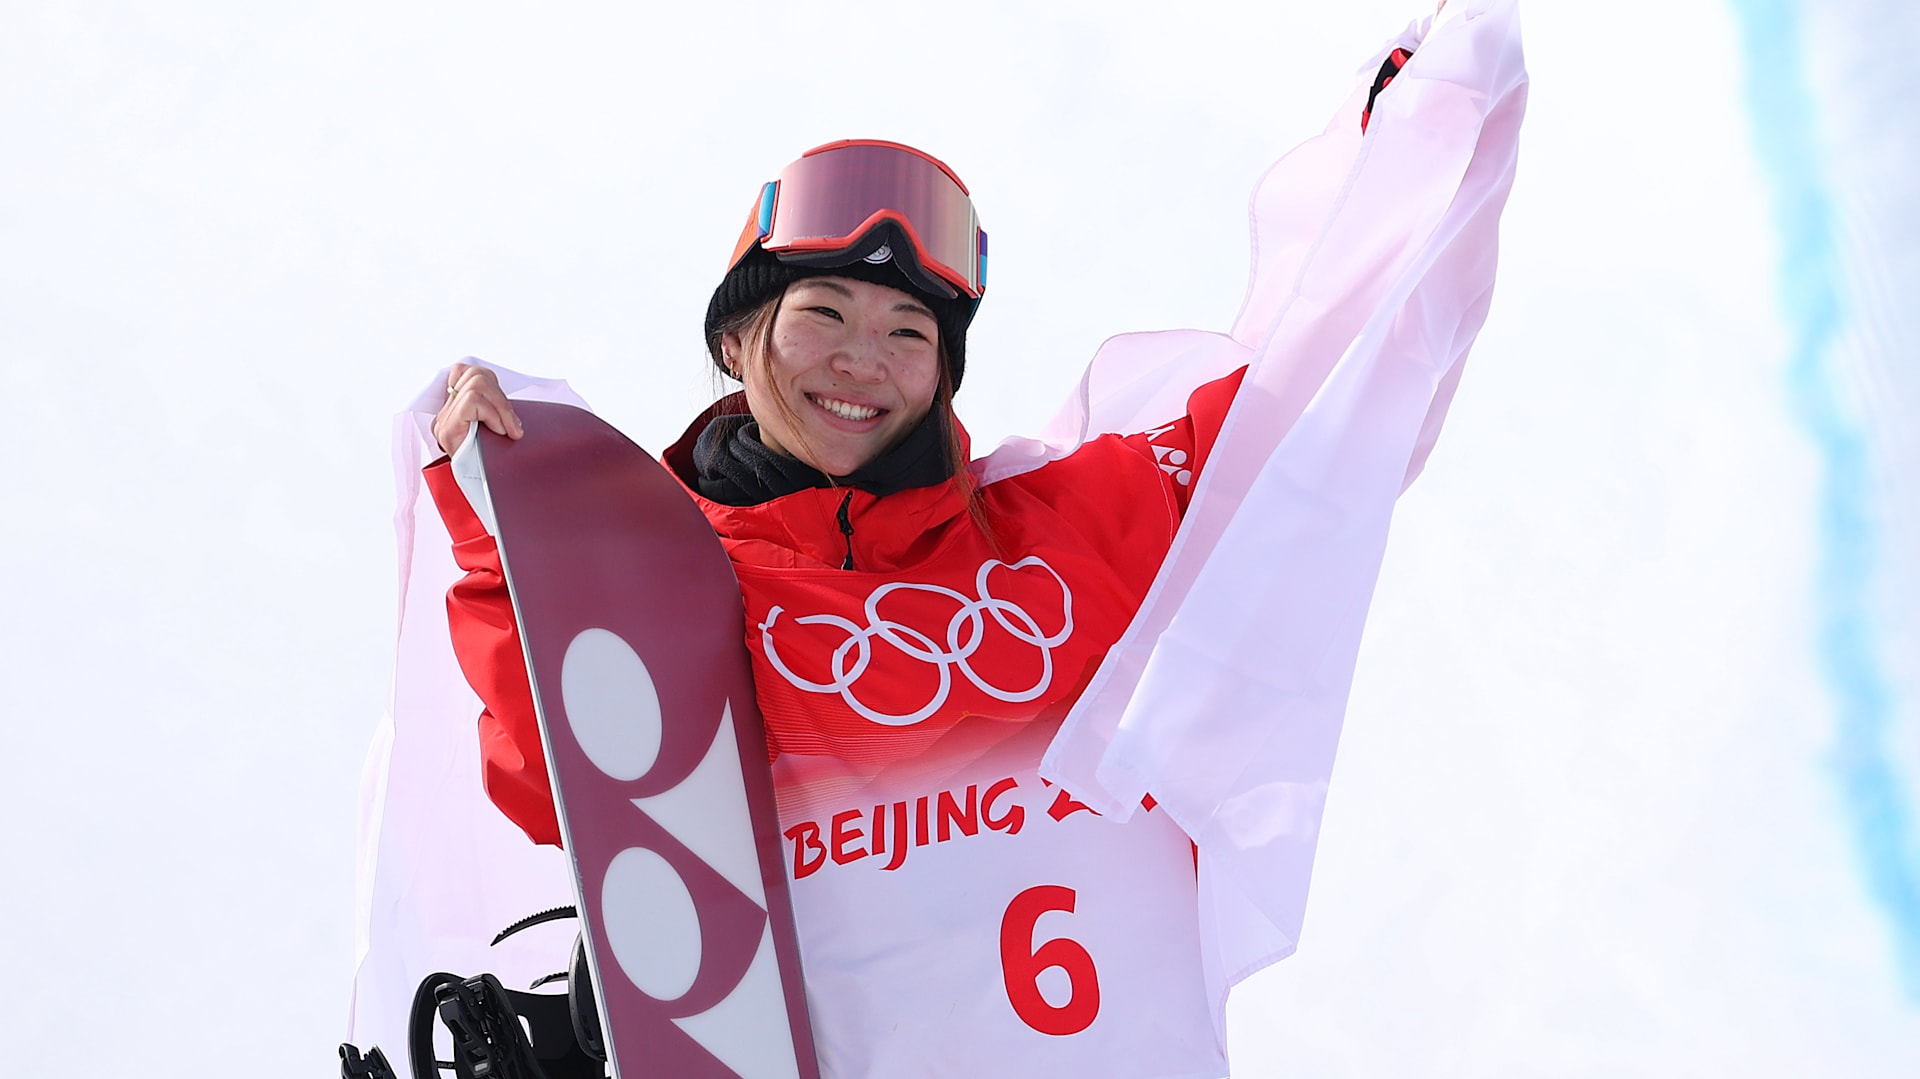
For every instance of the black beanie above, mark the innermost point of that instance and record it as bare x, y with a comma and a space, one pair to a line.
760, 276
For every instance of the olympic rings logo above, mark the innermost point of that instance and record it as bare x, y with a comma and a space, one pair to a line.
964, 633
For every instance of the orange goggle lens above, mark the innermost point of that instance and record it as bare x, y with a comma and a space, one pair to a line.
835, 194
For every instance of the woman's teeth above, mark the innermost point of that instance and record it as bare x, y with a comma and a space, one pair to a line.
847, 410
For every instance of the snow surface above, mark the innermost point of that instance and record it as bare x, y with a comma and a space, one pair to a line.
1596, 811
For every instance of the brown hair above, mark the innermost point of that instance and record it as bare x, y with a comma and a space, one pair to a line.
957, 456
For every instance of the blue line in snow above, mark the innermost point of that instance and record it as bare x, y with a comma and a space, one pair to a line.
1876, 803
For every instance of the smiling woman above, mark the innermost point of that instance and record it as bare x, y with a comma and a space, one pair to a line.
939, 644
844, 370
843, 315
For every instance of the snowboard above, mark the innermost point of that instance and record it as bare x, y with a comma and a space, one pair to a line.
631, 620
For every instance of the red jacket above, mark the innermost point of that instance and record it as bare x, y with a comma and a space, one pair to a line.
940, 636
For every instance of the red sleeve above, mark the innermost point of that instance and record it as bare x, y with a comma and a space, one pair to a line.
1180, 447
1396, 60
513, 767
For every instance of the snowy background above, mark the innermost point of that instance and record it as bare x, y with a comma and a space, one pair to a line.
1629, 780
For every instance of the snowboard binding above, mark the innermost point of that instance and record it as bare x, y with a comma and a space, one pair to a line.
500, 1033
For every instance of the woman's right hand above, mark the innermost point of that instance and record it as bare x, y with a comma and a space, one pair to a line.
473, 393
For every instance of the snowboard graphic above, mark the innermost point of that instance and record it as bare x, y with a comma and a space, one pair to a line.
632, 624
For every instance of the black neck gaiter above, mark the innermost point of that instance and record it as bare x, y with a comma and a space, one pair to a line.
737, 469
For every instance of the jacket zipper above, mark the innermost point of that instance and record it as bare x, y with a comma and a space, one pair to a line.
846, 528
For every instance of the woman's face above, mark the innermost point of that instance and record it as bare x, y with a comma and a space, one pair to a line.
853, 369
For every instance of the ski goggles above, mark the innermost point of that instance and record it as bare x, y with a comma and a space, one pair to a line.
835, 195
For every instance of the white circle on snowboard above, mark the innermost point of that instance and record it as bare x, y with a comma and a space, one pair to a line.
611, 705
652, 925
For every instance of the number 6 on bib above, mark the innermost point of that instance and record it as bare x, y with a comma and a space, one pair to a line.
1023, 962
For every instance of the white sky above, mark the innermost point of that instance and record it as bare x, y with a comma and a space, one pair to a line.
1582, 823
